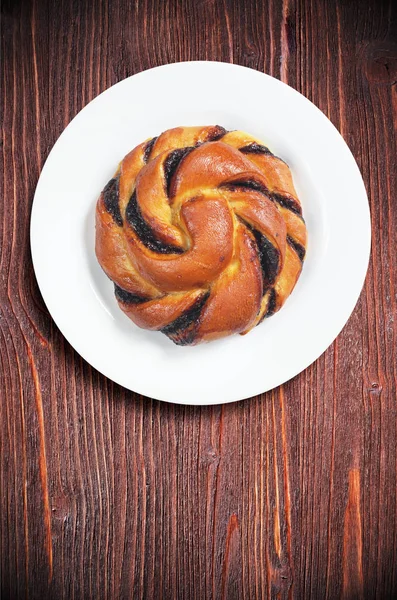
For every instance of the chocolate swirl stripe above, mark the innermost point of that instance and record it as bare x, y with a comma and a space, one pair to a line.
271, 307
299, 249
148, 149
255, 148
127, 297
111, 200
144, 232
269, 256
182, 331
288, 202
250, 184
172, 163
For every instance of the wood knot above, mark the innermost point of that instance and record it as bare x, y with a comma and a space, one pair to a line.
61, 509
375, 388
380, 63
210, 456
281, 580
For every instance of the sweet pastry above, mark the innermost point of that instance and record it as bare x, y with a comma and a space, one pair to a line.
201, 231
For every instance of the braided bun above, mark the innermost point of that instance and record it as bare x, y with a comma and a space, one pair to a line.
201, 231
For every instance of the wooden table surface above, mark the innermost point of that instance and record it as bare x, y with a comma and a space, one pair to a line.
107, 494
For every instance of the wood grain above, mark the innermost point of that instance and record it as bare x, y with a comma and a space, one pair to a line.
106, 494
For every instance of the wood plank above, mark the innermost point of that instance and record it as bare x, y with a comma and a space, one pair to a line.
106, 494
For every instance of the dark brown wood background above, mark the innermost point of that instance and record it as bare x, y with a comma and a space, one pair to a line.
107, 494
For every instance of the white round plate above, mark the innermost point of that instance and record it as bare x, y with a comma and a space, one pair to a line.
80, 297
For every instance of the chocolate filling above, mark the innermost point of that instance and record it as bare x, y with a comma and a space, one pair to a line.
111, 200
183, 330
144, 231
271, 307
148, 149
288, 202
250, 184
255, 148
269, 257
299, 249
171, 164
127, 297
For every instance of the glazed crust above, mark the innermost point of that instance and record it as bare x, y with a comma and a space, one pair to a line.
201, 231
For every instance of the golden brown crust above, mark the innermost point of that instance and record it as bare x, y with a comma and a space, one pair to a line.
202, 233
236, 295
